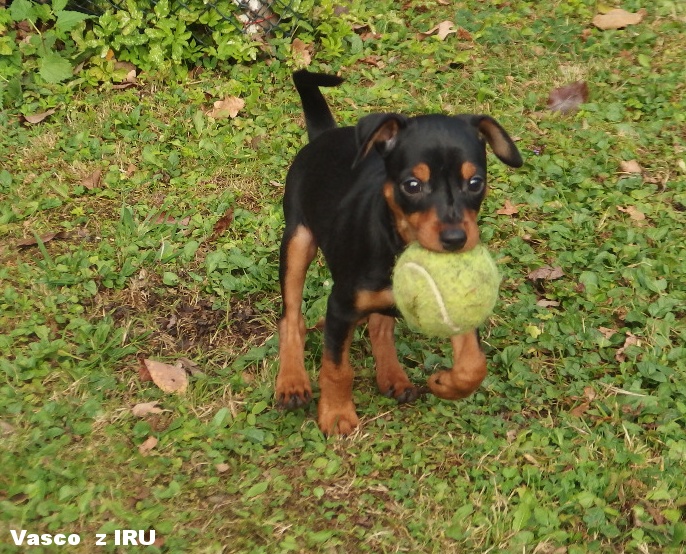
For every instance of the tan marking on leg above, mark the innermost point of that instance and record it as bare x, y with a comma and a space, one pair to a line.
293, 387
422, 172
467, 373
367, 301
390, 376
336, 409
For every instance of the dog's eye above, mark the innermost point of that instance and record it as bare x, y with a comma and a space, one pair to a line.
476, 184
412, 186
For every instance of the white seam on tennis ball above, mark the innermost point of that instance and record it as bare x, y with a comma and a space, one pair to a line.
437, 294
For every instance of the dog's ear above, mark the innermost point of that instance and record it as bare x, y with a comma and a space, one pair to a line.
377, 130
500, 141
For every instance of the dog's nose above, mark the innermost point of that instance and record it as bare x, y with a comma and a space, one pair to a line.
453, 239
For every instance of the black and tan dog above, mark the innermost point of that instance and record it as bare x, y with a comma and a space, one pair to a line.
361, 194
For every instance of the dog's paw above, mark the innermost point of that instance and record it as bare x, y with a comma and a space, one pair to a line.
444, 384
397, 385
341, 420
292, 394
403, 394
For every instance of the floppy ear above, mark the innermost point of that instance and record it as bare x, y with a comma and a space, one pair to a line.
377, 130
500, 141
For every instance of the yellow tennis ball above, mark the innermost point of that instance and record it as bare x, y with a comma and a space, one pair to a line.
445, 294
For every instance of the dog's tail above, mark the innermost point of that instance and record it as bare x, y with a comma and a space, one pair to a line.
317, 113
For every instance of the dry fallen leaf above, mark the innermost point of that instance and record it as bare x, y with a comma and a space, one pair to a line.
567, 99
169, 378
37, 118
165, 218
47, 237
634, 213
229, 107
6, 428
130, 170
580, 409
93, 180
617, 19
590, 393
143, 373
374, 61
442, 30
606, 332
223, 223
222, 468
190, 366
508, 208
546, 273
145, 408
445, 28
631, 340
630, 166
543, 303
147, 446
301, 53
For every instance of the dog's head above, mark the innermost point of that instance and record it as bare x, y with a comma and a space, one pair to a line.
436, 172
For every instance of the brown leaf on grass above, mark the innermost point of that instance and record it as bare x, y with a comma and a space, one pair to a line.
464, 34
546, 273
93, 180
580, 410
544, 303
631, 340
442, 30
509, 208
222, 224
47, 237
222, 468
607, 332
131, 77
568, 98
630, 166
143, 373
131, 169
590, 393
6, 428
37, 118
190, 366
229, 107
301, 53
164, 218
147, 446
169, 378
634, 213
655, 513
617, 19
374, 61
145, 408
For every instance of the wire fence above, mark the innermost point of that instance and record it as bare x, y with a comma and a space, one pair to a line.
249, 17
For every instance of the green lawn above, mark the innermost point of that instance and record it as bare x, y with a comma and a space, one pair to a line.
574, 443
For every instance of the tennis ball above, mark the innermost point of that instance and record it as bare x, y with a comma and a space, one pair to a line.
445, 294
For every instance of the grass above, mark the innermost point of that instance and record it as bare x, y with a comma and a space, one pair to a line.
573, 444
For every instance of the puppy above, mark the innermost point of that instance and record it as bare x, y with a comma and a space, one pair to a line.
361, 194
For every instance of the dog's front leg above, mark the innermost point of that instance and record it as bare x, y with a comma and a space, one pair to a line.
390, 376
336, 408
467, 373
293, 389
